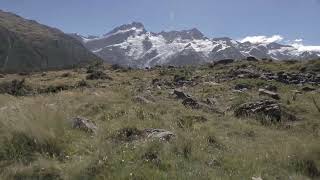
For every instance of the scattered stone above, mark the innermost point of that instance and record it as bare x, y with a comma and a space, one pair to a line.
133, 134
2, 76
252, 59
190, 102
269, 93
283, 77
268, 108
245, 73
84, 124
224, 62
180, 80
194, 104
180, 95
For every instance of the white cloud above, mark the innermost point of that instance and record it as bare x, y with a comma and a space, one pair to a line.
303, 48
262, 39
297, 43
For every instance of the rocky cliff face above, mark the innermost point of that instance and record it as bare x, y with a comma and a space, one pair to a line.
29, 46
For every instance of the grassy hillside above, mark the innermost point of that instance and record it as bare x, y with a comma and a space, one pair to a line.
38, 140
29, 46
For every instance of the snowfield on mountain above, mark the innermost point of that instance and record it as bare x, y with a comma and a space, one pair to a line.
132, 45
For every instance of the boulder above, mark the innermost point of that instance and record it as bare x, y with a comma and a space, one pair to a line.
180, 95
84, 124
267, 108
269, 93
159, 134
245, 73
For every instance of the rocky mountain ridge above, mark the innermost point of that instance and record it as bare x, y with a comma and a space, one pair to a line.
132, 45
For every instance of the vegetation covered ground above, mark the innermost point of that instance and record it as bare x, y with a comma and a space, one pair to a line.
38, 141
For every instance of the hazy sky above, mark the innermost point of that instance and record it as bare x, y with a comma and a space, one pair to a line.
290, 19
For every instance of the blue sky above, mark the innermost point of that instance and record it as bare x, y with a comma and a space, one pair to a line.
291, 19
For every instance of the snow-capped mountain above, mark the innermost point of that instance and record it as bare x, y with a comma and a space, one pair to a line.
133, 45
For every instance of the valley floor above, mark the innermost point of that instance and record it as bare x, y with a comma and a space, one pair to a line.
201, 139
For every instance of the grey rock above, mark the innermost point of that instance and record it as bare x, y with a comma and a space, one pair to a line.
84, 124
269, 93
267, 108
180, 95
159, 134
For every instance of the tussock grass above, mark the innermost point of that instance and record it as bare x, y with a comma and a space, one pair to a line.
37, 141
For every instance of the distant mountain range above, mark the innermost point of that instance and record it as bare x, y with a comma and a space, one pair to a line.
132, 45
29, 46
26, 45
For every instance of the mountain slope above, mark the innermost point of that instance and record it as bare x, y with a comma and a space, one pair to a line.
133, 45
29, 46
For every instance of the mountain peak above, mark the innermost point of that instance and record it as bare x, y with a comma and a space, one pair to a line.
128, 27
184, 34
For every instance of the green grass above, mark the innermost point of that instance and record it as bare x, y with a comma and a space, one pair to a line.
37, 141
